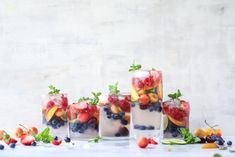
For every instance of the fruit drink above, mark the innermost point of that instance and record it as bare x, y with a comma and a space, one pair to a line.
54, 112
176, 115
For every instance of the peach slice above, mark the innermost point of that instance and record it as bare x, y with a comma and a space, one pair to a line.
199, 133
176, 122
209, 146
153, 97
115, 109
159, 91
59, 112
50, 113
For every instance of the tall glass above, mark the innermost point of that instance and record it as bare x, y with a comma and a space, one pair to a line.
176, 116
54, 114
146, 97
115, 117
83, 120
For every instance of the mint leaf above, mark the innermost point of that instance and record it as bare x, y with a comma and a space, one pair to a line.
94, 100
188, 137
175, 95
97, 139
83, 99
113, 89
44, 136
134, 67
53, 90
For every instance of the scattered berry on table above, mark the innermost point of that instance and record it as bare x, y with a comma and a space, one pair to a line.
67, 139
12, 145
1, 147
229, 143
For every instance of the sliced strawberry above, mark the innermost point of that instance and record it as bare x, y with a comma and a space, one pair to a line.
83, 117
144, 99
185, 105
92, 109
82, 106
125, 105
50, 104
64, 101
27, 140
10, 140
56, 142
152, 141
138, 84
149, 82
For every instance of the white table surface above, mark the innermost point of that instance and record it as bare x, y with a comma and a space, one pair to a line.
112, 149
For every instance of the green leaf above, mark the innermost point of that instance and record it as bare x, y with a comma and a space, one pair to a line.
83, 99
175, 95
53, 90
188, 137
113, 89
134, 67
6, 137
217, 155
97, 139
44, 136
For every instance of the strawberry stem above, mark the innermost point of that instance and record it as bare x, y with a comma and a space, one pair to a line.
24, 127
212, 127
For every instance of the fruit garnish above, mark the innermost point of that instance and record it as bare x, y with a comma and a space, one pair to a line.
142, 142
31, 131
50, 113
134, 94
44, 136
1, 147
57, 142
175, 95
8, 139
97, 139
152, 141
91, 101
159, 91
134, 67
83, 117
210, 146
115, 109
229, 143
2, 133
188, 137
53, 89
64, 101
18, 132
125, 105
113, 89
199, 133
177, 122
12, 145
27, 140
67, 139
172, 141
153, 97
50, 104
144, 99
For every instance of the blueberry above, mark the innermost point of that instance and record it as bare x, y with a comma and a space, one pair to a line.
106, 109
214, 138
124, 122
108, 116
108, 112
175, 134
229, 143
121, 114
67, 139
117, 134
34, 143
158, 108
115, 117
84, 126
1, 147
150, 127
133, 105
12, 145
136, 126
54, 121
123, 131
142, 127
81, 130
55, 138
219, 142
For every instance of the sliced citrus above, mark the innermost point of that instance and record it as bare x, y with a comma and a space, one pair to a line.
176, 122
159, 90
134, 94
50, 113
209, 146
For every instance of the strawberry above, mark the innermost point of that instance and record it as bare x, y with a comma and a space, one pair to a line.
125, 105
64, 101
27, 140
113, 99
82, 106
144, 99
152, 141
92, 109
138, 84
11, 140
50, 104
56, 142
149, 82
83, 117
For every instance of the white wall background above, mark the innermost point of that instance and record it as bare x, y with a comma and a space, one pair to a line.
84, 45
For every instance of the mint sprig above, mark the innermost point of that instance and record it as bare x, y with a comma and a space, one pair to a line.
94, 100
134, 67
53, 90
175, 95
188, 137
44, 136
113, 89
97, 139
